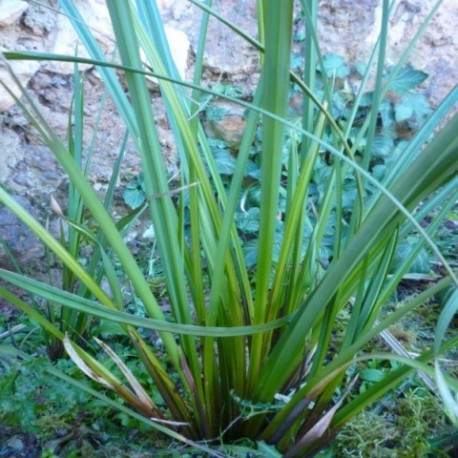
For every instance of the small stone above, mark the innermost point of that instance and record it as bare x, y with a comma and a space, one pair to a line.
11, 11
149, 233
230, 126
39, 20
15, 443
179, 47
10, 143
23, 244
66, 42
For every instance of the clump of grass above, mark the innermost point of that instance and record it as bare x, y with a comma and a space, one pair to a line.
247, 350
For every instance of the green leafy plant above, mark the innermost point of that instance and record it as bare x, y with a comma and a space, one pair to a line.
249, 350
388, 143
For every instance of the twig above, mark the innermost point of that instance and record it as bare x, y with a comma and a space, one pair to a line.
397, 347
13, 330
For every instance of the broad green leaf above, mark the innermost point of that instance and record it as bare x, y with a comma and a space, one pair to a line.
422, 263
134, 193
382, 147
412, 107
403, 111
225, 162
335, 65
407, 78
250, 253
248, 222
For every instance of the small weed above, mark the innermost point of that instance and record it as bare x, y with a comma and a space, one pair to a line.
65, 420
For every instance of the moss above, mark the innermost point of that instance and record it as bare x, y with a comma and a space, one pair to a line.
405, 431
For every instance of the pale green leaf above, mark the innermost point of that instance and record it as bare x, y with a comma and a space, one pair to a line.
335, 65
408, 78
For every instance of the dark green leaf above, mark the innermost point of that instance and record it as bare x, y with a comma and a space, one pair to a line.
254, 195
382, 147
225, 162
110, 328
253, 171
248, 222
421, 265
250, 253
135, 192
134, 196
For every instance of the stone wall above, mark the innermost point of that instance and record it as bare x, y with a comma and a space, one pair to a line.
28, 170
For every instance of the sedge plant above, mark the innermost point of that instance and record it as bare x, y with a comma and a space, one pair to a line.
249, 352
